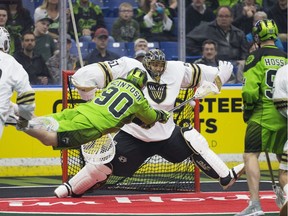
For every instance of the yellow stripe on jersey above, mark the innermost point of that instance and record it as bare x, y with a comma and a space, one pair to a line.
196, 75
26, 98
107, 72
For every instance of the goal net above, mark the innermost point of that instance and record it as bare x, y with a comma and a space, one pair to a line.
156, 173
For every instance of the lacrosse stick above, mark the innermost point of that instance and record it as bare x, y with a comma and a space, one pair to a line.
207, 88
277, 190
100, 151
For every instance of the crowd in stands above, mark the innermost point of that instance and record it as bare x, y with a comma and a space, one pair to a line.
215, 30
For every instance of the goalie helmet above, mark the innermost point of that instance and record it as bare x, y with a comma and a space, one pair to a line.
265, 30
155, 63
138, 77
4, 40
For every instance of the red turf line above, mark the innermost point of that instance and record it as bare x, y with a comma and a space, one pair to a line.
176, 203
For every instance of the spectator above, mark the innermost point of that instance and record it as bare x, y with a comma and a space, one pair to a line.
260, 15
209, 54
231, 40
279, 14
125, 28
53, 62
88, 18
100, 53
141, 44
3, 16
19, 21
196, 13
209, 57
34, 64
243, 13
140, 48
232, 44
50, 8
156, 22
45, 45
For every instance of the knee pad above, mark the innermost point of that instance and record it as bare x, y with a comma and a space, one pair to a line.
203, 156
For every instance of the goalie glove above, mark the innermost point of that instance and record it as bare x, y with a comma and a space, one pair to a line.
225, 69
163, 116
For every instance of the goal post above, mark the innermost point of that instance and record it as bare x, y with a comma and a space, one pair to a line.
156, 173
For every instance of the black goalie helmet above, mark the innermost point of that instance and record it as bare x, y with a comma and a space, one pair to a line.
155, 63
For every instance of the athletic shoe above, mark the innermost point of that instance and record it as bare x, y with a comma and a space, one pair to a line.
234, 174
253, 209
63, 191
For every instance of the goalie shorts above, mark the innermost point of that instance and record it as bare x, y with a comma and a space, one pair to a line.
259, 139
132, 152
74, 129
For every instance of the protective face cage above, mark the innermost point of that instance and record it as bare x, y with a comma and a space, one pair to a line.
4, 40
138, 77
265, 30
155, 56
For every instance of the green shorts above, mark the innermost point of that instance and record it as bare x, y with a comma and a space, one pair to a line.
259, 139
74, 129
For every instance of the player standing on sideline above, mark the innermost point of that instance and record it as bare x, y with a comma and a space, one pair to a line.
117, 105
13, 77
266, 127
135, 144
280, 99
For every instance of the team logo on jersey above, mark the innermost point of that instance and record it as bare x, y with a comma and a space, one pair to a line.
250, 59
157, 92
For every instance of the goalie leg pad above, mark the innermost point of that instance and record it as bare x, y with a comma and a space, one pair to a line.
86, 178
204, 157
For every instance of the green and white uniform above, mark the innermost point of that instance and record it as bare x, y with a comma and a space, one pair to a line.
266, 125
117, 105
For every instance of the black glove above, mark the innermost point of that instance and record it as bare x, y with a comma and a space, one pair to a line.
145, 126
22, 124
247, 115
163, 116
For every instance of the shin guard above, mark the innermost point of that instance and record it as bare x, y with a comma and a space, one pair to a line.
203, 156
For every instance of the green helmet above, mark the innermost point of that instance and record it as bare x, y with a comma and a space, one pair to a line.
138, 77
265, 30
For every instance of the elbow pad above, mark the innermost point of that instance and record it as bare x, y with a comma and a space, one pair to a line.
87, 95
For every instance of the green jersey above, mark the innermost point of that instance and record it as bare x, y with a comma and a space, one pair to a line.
259, 73
117, 105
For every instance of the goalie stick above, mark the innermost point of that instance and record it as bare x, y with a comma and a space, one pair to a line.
280, 199
207, 88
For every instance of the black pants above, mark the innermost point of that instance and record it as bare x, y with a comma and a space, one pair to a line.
132, 152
